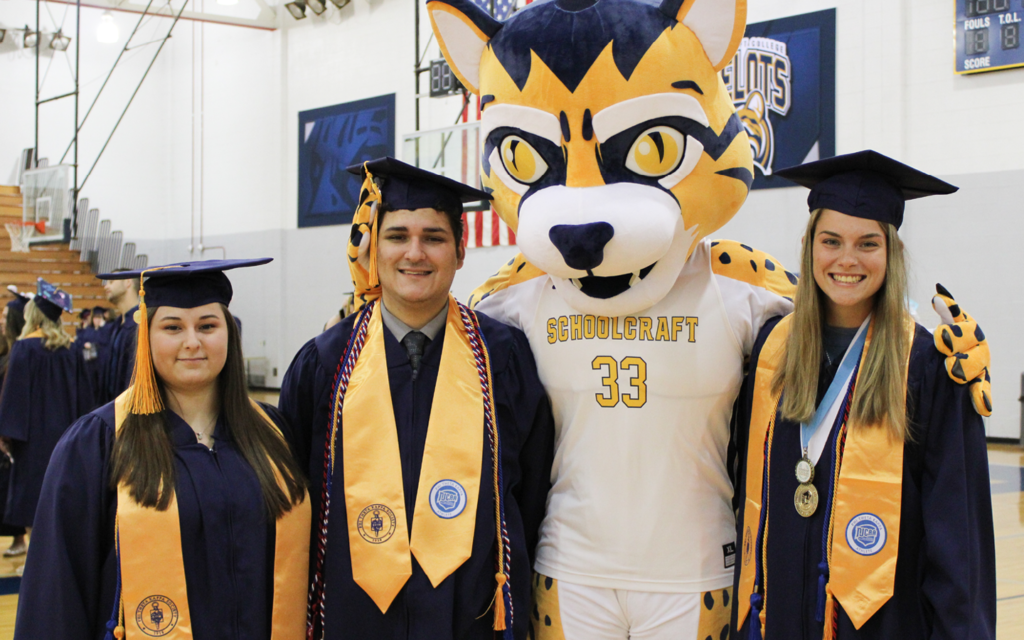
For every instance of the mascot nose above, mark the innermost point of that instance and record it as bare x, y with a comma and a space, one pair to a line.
582, 245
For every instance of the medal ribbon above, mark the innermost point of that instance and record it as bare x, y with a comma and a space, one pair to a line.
837, 389
151, 570
381, 564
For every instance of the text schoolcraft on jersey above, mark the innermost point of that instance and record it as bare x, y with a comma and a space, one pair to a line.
588, 327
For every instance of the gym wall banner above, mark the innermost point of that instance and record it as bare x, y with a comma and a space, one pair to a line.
783, 84
332, 138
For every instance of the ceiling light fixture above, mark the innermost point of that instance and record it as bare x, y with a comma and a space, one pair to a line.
107, 32
341, 4
59, 41
297, 8
317, 6
3, 34
31, 38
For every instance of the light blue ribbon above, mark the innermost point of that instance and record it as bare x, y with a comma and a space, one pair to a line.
837, 387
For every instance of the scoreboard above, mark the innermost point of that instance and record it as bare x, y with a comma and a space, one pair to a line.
988, 35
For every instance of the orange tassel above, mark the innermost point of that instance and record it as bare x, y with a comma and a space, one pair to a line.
373, 276
830, 613
145, 399
499, 603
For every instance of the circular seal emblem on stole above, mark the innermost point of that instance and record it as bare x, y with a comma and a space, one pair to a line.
866, 534
156, 616
447, 499
376, 524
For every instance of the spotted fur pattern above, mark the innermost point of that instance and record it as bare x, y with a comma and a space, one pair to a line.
546, 620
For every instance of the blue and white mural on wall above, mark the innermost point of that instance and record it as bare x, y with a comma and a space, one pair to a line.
332, 138
783, 84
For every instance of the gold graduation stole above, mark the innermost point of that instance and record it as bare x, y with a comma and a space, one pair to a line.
864, 523
449, 484
153, 594
38, 333
444, 520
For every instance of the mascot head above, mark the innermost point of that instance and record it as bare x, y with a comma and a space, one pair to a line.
609, 141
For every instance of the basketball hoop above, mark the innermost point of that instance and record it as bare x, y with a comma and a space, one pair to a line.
20, 233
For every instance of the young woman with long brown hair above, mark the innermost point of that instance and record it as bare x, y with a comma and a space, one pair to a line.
864, 507
178, 508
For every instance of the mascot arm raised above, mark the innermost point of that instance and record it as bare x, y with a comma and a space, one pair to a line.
963, 343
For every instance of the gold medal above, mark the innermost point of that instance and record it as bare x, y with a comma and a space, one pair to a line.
806, 500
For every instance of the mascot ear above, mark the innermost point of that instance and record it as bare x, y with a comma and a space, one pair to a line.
718, 24
463, 30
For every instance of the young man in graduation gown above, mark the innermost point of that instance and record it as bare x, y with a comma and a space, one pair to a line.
402, 411
120, 360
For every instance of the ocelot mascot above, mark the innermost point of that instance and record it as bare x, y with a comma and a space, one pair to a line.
613, 150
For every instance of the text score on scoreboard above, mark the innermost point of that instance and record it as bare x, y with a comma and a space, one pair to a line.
988, 34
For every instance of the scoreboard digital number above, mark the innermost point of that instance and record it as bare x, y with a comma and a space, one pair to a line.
988, 34
442, 81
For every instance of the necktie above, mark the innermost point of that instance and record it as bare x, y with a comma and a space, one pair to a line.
414, 342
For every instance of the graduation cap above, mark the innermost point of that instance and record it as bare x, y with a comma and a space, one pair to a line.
20, 299
865, 184
185, 285
51, 300
401, 186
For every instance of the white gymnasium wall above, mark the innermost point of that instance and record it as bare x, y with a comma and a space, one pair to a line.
896, 92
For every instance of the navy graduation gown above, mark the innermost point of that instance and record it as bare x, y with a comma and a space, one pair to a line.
945, 569
5, 471
44, 393
227, 537
458, 609
120, 361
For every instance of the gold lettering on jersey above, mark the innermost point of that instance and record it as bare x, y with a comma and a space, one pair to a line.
636, 328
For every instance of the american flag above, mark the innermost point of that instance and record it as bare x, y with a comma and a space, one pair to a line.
502, 8
486, 229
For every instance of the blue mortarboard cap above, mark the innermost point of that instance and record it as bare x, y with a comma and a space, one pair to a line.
865, 184
187, 285
99, 310
404, 186
20, 299
51, 300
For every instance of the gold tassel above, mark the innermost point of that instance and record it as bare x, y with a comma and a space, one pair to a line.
145, 398
830, 612
499, 603
373, 276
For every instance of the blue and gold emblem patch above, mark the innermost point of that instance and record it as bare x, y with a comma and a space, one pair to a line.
866, 534
376, 524
447, 499
156, 616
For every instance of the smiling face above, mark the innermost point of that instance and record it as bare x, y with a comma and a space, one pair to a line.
417, 257
849, 266
190, 346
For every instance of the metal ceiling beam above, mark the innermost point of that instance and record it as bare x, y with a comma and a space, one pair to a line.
266, 20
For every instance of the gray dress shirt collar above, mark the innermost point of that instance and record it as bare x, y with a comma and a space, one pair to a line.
399, 329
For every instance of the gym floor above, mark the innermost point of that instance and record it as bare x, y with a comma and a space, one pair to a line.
1006, 467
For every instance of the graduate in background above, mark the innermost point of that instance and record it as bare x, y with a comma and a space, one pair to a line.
865, 508
207, 531
119, 362
12, 321
428, 535
45, 390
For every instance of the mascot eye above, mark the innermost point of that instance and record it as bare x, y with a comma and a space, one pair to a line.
656, 152
521, 160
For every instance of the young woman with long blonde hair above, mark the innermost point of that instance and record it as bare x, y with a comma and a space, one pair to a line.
864, 496
45, 390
